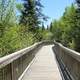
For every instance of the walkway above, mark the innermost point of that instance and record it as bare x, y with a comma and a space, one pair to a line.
44, 66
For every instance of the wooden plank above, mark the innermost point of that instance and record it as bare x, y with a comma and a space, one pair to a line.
44, 66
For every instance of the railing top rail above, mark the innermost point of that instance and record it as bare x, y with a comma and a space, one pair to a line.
71, 52
11, 57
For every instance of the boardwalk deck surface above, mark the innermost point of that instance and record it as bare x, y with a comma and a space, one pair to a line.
44, 66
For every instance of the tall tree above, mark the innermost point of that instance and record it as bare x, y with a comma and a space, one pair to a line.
47, 27
78, 3
51, 27
43, 27
7, 14
67, 29
56, 30
31, 14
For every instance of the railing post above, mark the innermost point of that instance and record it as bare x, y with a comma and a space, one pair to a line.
12, 76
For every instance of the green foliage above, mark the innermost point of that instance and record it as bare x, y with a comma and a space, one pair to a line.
14, 36
51, 26
56, 29
43, 27
14, 39
31, 15
47, 36
78, 2
67, 29
19, 6
7, 15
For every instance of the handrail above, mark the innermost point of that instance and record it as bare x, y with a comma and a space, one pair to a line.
11, 57
71, 52
13, 65
69, 61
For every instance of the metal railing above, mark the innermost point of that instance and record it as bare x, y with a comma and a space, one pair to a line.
69, 61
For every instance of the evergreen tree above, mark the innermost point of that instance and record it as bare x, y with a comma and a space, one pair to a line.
31, 14
78, 3
56, 30
51, 27
47, 27
43, 27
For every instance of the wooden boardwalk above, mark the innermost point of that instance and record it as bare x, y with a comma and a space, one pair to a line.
44, 66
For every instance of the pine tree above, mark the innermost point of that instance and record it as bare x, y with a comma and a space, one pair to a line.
47, 27
43, 27
78, 3
51, 27
31, 14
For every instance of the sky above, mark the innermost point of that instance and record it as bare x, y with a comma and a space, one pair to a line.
54, 8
